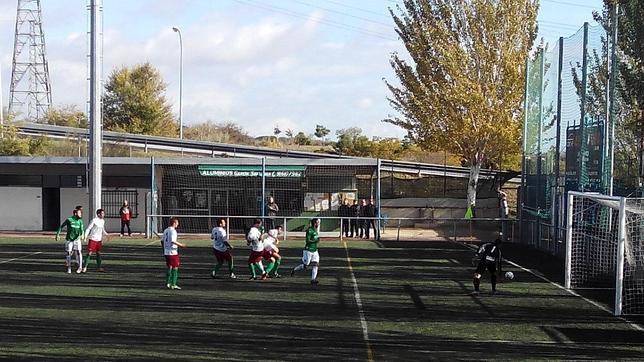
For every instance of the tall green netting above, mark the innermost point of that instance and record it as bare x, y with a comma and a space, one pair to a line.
566, 146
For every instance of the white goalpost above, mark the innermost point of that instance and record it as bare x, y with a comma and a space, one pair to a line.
605, 250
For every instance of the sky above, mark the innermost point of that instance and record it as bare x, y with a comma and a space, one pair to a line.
262, 64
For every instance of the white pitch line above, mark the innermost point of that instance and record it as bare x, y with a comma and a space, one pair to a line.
20, 257
631, 324
151, 242
363, 320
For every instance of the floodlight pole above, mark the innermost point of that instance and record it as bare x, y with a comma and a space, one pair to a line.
611, 93
178, 31
1, 107
95, 117
378, 201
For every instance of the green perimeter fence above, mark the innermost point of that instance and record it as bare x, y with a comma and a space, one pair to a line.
572, 110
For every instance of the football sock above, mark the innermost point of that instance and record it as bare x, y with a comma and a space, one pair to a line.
252, 270
175, 276
477, 282
270, 267
300, 267
260, 267
168, 278
314, 272
277, 265
79, 259
68, 260
98, 260
230, 266
493, 278
87, 259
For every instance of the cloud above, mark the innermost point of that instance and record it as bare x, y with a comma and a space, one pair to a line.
364, 103
241, 64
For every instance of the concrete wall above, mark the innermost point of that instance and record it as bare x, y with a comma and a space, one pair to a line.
70, 197
21, 208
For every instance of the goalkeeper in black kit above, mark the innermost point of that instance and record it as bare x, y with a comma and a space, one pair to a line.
489, 257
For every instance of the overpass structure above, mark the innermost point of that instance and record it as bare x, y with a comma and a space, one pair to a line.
213, 149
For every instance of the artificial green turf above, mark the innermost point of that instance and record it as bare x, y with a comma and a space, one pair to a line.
414, 298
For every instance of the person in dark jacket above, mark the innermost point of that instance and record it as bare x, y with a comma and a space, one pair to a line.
343, 213
372, 213
362, 221
271, 211
354, 212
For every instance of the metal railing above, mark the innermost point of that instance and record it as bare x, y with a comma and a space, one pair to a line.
455, 229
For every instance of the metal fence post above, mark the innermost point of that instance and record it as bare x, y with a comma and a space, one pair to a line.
262, 205
398, 235
454, 221
378, 202
228, 226
285, 228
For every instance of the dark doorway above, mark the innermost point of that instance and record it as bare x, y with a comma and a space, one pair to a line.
50, 208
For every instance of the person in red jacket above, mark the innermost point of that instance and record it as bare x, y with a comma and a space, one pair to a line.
126, 216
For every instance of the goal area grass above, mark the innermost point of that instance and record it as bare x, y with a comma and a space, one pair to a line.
414, 305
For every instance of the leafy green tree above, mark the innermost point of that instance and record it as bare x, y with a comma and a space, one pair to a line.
68, 116
631, 69
386, 148
14, 145
462, 91
217, 132
302, 139
352, 142
629, 97
289, 134
135, 102
321, 131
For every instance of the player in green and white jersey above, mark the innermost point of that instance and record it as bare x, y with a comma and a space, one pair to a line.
310, 255
75, 230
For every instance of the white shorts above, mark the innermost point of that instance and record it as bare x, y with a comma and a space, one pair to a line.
308, 257
73, 245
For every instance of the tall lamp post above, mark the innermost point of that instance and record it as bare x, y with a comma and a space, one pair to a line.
178, 31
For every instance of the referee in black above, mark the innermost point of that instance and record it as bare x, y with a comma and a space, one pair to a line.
489, 257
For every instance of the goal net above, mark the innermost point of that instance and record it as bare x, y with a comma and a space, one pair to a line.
605, 250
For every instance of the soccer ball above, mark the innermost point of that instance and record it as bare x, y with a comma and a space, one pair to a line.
509, 275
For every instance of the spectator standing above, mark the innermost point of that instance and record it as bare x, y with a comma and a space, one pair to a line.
372, 213
504, 212
344, 213
354, 212
271, 210
126, 215
362, 221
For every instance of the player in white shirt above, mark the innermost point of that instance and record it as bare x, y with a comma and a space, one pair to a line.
94, 236
171, 253
221, 248
271, 251
254, 241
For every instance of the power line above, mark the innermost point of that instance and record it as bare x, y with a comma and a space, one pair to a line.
316, 20
570, 4
560, 25
343, 13
359, 9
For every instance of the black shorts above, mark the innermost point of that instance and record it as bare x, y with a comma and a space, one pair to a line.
491, 266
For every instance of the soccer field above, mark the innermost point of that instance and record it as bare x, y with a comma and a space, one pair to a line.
414, 306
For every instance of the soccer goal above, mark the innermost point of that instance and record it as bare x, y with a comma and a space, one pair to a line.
605, 250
